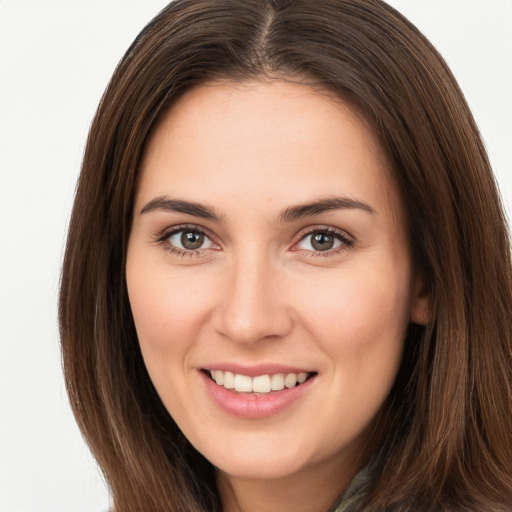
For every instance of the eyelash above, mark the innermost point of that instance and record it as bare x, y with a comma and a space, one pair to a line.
163, 239
345, 241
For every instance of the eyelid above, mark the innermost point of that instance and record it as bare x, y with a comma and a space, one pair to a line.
171, 230
343, 236
162, 237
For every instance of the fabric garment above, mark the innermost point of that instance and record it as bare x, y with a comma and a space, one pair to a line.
354, 495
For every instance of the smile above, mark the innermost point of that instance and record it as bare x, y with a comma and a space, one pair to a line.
258, 384
259, 395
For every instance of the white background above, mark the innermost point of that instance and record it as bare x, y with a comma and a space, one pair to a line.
56, 57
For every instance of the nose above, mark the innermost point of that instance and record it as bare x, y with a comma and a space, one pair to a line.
251, 305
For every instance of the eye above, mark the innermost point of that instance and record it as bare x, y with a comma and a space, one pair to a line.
189, 240
185, 240
324, 240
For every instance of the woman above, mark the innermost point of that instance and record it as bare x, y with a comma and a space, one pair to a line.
287, 280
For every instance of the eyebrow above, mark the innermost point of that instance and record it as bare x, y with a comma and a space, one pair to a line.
294, 213
291, 214
181, 206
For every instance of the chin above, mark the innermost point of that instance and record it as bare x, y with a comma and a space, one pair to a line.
257, 464
258, 470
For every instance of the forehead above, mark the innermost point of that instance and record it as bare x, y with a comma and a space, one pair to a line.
268, 140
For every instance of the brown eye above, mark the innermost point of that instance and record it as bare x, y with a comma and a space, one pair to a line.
188, 240
191, 240
325, 241
322, 242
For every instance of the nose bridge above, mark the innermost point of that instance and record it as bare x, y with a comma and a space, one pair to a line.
252, 306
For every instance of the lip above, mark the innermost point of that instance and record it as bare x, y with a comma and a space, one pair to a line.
253, 406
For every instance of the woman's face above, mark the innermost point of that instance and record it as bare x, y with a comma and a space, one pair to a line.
268, 249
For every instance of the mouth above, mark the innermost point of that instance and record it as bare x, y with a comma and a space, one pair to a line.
260, 384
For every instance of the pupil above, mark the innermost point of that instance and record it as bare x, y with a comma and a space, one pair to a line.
322, 242
191, 240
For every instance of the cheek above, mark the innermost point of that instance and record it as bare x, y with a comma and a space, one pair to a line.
168, 308
359, 315
360, 325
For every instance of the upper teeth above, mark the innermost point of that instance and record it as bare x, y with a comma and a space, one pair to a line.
259, 384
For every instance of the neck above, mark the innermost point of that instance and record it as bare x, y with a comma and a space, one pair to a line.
314, 489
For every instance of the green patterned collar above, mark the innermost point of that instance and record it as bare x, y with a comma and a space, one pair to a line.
355, 493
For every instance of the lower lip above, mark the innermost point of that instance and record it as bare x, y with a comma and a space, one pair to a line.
253, 406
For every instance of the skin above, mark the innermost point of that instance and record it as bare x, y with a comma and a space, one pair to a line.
258, 292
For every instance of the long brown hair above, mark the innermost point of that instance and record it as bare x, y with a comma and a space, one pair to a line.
446, 441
